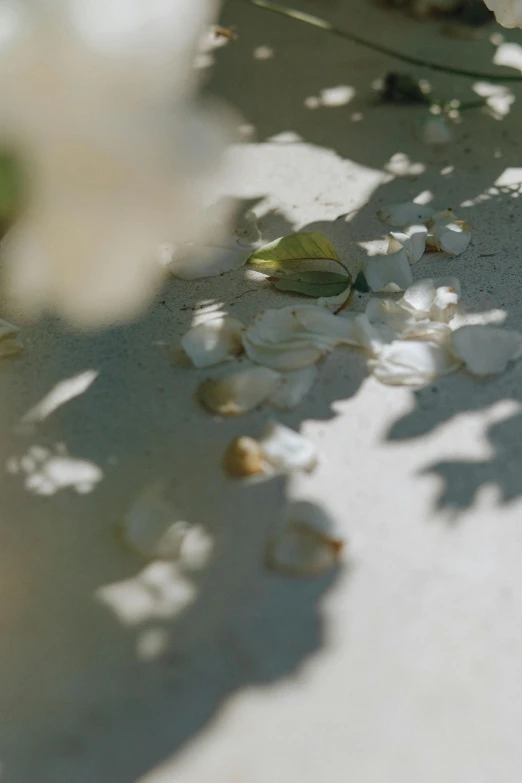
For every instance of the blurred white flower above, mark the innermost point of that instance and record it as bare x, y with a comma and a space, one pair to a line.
97, 97
508, 12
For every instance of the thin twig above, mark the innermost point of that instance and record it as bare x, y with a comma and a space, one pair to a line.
322, 24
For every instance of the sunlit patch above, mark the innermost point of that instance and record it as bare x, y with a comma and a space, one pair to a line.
286, 137
510, 176
447, 170
509, 55
499, 98
312, 102
159, 591
401, 166
63, 392
263, 52
357, 116
46, 472
152, 643
331, 97
337, 96
424, 197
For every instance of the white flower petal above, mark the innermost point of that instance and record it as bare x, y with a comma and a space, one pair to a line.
452, 238
197, 261
486, 350
294, 337
372, 337
279, 450
433, 331
433, 298
286, 450
304, 547
238, 392
405, 214
507, 12
388, 273
213, 341
294, 387
413, 363
389, 312
413, 240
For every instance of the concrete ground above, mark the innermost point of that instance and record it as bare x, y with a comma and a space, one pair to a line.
405, 665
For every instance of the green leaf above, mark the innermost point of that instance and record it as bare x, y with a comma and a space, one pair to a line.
285, 251
312, 283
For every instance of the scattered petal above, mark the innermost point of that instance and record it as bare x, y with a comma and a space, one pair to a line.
243, 457
405, 214
372, 337
486, 350
304, 548
286, 450
413, 240
433, 331
391, 272
279, 450
238, 392
193, 262
413, 363
452, 238
213, 341
294, 337
294, 387
433, 298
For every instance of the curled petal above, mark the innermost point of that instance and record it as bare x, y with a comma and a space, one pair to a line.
405, 214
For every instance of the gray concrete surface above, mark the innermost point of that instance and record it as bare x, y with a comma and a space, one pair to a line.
403, 666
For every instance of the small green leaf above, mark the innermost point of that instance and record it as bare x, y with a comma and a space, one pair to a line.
295, 247
312, 283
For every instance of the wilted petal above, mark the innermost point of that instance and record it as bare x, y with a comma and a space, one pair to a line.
304, 547
279, 450
391, 272
486, 350
452, 238
213, 341
294, 387
413, 363
433, 298
238, 392
405, 214
286, 450
413, 240
294, 337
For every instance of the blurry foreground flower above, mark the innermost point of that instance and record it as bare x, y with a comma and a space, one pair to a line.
97, 100
507, 12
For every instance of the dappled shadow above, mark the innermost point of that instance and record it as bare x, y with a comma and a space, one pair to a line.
79, 703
